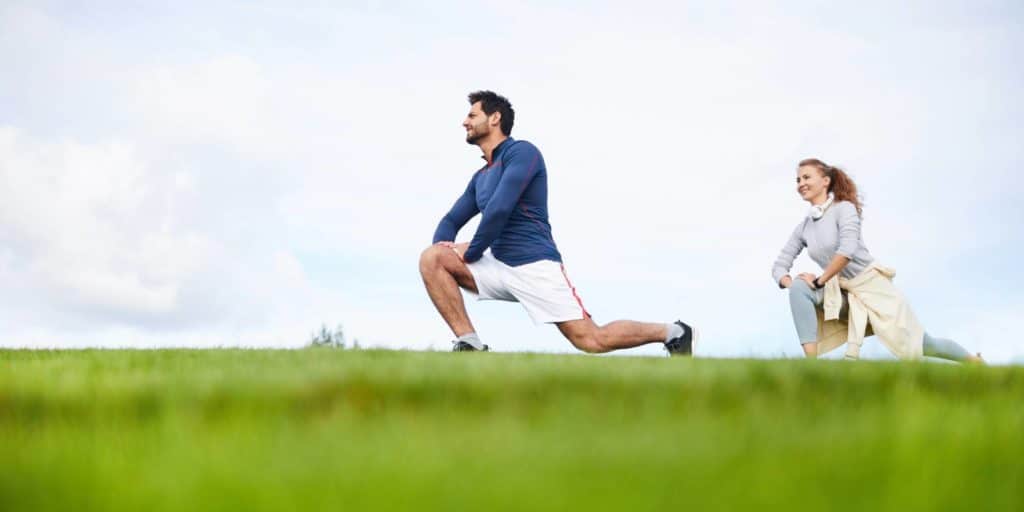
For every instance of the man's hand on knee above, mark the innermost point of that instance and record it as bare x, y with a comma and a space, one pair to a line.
459, 248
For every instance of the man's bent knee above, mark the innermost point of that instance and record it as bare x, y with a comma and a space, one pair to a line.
583, 334
431, 258
427, 260
590, 343
440, 258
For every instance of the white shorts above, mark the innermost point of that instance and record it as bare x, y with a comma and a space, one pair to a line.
542, 287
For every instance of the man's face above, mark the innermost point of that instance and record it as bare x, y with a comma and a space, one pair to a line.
477, 123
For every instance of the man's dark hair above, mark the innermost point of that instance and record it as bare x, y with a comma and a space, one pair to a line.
492, 102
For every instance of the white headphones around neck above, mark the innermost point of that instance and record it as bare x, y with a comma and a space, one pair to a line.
818, 211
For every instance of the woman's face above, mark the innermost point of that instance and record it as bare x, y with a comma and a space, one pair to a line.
810, 182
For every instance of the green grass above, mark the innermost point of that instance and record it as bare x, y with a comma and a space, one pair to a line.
357, 430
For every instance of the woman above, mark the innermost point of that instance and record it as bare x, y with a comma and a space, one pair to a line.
853, 291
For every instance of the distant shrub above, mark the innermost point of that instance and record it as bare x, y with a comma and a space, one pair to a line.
328, 338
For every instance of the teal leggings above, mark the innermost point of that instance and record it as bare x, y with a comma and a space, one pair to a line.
803, 300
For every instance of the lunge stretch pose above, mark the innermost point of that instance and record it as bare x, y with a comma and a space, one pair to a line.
512, 256
854, 295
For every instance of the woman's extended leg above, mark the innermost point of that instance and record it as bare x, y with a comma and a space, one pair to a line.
947, 349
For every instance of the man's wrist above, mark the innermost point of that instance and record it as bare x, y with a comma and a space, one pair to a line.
817, 284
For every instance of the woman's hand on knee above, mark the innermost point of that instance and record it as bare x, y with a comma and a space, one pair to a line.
807, 278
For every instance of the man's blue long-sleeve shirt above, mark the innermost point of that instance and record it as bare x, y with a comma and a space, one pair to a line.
512, 194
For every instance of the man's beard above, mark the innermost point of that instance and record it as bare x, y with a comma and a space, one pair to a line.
474, 137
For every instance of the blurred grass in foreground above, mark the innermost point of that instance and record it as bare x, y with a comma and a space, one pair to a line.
358, 430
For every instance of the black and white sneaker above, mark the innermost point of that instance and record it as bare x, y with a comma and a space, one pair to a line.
462, 346
683, 345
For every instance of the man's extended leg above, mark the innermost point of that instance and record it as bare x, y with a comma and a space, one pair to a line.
587, 336
443, 273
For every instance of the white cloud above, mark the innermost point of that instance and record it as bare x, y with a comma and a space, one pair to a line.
91, 236
224, 99
73, 210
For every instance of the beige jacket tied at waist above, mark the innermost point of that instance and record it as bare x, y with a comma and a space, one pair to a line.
875, 307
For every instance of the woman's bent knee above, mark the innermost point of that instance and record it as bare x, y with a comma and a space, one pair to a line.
799, 286
800, 290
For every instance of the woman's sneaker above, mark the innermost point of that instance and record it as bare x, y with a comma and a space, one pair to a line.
683, 345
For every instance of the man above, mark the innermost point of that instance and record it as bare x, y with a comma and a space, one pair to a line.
512, 256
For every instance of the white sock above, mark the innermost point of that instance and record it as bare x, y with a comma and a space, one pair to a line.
472, 339
674, 331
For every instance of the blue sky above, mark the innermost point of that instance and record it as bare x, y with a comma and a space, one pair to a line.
239, 173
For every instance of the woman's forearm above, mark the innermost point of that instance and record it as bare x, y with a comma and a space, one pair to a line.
834, 267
